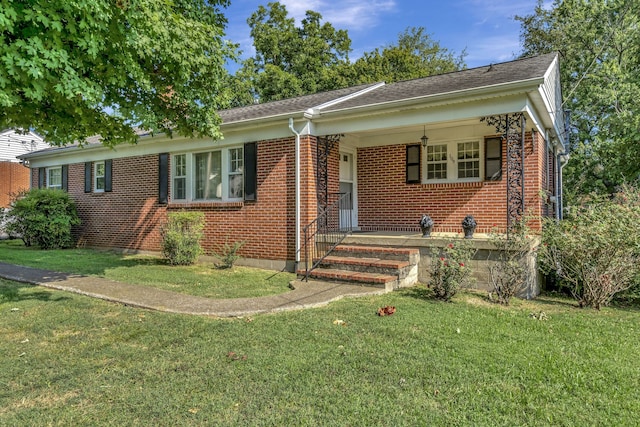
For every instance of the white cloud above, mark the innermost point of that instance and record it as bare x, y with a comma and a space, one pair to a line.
352, 15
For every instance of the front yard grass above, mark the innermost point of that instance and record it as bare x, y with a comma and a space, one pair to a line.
73, 360
200, 280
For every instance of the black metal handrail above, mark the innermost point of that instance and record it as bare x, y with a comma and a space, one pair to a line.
327, 231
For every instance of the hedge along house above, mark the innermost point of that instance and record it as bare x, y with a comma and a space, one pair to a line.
294, 178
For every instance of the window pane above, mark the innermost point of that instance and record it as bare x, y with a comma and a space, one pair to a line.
54, 180
180, 188
99, 176
469, 169
208, 179
236, 186
180, 168
437, 161
236, 160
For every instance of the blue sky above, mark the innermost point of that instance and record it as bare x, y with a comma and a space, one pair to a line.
486, 28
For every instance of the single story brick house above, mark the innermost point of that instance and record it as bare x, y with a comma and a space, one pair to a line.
371, 159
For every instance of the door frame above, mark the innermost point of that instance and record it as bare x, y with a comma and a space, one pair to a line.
343, 149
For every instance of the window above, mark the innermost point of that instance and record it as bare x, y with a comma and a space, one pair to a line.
236, 167
54, 177
437, 161
493, 159
453, 161
99, 175
210, 176
413, 164
179, 174
469, 159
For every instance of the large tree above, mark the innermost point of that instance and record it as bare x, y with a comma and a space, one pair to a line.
599, 44
72, 69
416, 54
290, 60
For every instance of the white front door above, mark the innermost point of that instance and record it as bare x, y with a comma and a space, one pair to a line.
348, 216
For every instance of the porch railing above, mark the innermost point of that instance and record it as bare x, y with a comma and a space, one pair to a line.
327, 231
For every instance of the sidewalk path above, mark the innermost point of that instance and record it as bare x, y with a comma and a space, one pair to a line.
304, 294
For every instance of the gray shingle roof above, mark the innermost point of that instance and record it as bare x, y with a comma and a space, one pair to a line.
287, 106
495, 74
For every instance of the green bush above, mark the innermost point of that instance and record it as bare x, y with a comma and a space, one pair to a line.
229, 254
43, 217
181, 237
595, 251
450, 268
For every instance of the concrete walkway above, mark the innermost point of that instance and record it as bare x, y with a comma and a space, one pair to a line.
303, 295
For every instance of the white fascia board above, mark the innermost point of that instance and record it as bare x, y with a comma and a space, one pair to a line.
423, 116
314, 111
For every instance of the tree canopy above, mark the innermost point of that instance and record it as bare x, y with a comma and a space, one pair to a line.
72, 69
599, 44
291, 61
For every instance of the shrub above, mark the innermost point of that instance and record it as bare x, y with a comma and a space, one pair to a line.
181, 237
510, 273
595, 251
450, 268
43, 217
229, 254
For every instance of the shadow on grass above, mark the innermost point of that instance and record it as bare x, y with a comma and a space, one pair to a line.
11, 291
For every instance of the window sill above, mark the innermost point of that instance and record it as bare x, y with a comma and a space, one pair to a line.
471, 184
205, 205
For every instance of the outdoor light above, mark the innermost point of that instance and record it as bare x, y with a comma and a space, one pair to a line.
424, 137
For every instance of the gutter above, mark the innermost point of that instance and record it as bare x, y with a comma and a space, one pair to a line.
297, 193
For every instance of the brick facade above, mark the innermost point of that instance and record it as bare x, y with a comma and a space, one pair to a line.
13, 178
387, 202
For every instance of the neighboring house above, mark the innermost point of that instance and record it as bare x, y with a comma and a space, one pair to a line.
485, 141
14, 176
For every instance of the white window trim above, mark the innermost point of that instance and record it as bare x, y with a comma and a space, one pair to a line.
95, 176
59, 187
452, 162
190, 184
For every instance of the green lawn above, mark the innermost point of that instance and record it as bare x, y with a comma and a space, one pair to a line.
73, 360
201, 280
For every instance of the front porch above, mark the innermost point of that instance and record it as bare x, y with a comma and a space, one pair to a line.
389, 244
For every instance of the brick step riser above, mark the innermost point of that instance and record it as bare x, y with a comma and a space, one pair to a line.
317, 275
411, 258
401, 272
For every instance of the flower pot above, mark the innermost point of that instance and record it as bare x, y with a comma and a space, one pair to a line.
426, 225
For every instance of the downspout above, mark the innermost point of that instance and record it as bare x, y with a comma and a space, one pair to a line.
562, 160
297, 191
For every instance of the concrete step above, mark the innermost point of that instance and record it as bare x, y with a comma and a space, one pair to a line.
381, 252
373, 279
366, 264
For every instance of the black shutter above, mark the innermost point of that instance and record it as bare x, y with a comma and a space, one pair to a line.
41, 174
87, 176
107, 174
413, 164
251, 171
493, 159
163, 178
65, 177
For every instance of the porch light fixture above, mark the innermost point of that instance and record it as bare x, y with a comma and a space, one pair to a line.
424, 137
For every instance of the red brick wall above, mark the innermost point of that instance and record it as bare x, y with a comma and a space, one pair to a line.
13, 178
130, 217
386, 202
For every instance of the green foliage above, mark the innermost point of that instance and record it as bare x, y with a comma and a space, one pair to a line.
599, 43
414, 55
181, 237
450, 268
510, 273
229, 254
43, 217
72, 69
595, 251
292, 61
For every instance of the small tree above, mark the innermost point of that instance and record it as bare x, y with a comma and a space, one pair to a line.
450, 268
43, 217
181, 237
596, 250
510, 273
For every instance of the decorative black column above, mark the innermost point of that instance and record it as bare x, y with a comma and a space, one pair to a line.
512, 128
323, 150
